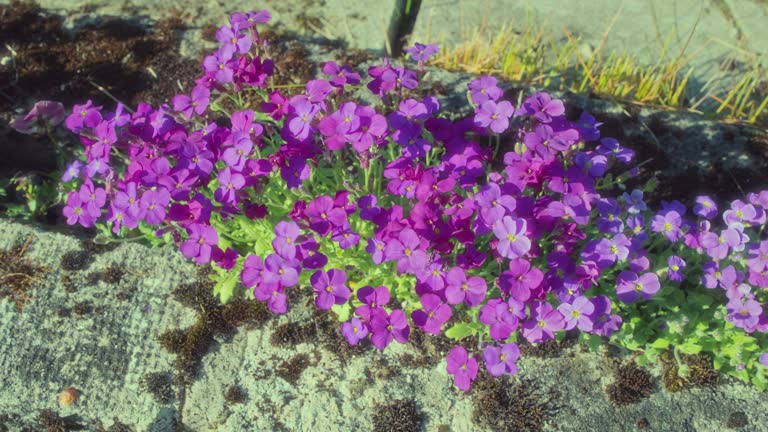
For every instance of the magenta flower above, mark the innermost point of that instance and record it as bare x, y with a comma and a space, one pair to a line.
513, 242
388, 327
354, 331
236, 156
85, 115
484, 89
197, 102
502, 317
630, 287
153, 203
459, 288
202, 238
578, 313
229, 183
462, 367
542, 107
502, 360
545, 320
284, 242
493, 204
433, 315
521, 280
493, 115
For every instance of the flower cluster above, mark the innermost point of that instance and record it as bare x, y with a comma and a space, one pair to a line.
399, 218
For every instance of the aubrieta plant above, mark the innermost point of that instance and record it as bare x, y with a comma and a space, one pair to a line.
398, 219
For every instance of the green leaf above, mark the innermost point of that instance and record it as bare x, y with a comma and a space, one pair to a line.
660, 343
342, 311
462, 330
225, 288
689, 348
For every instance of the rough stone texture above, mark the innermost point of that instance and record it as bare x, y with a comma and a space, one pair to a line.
105, 356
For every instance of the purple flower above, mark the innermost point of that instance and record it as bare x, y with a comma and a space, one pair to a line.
221, 64
284, 242
229, 183
502, 317
373, 300
153, 203
231, 39
578, 313
676, 266
420, 52
546, 142
744, 314
324, 215
763, 359
202, 238
274, 295
330, 288
634, 201
493, 205
75, 211
376, 249
197, 102
605, 324
237, 155
717, 246
311, 258
630, 287
542, 107
345, 237
462, 367
668, 223
280, 270
341, 75
611, 147
615, 249
406, 251
253, 269
705, 207
493, 115
459, 288
295, 171
513, 243
300, 124
502, 360
521, 280
354, 331
369, 208
588, 127
85, 115
387, 327
484, 89
433, 315
545, 320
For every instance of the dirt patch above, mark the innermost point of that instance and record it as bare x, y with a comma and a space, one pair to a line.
18, 274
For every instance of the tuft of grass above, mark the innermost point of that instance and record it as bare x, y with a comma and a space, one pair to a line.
552, 61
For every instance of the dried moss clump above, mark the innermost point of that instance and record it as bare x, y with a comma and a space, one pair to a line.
399, 416
291, 369
643, 423
701, 373
50, 421
159, 385
75, 260
17, 275
632, 384
737, 420
504, 405
289, 334
250, 314
235, 395
113, 274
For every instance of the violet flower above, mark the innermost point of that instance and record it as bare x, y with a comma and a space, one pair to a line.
502, 317
354, 331
502, 360
511, 233
542, 107
433, 315
420, 52
462, 367
545, 320
631, 287
493, 115
578, 313
373, 299
388, 327
675, 266
202, 238
330, 288
197, 102
521, 280
484, 89
459, 288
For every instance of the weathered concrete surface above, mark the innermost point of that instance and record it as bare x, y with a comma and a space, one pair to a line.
105, 354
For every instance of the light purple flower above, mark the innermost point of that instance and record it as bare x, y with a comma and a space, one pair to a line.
421, 52
513, 242
502, 360
578, 313
433, 314
462, 367
284, 242
354, 331
459, 288
631, 287
545, 320
705, 207
280, 270
493, 115
542, 107
484, 89
502, 317
406, 251
202, 238
676, 266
